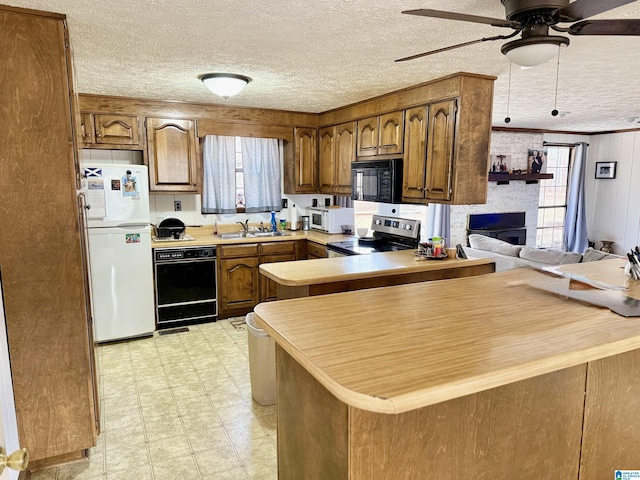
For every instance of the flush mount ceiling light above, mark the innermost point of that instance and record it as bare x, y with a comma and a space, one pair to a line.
533, 50
225, 85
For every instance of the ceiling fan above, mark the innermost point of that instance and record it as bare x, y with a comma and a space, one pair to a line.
533, 19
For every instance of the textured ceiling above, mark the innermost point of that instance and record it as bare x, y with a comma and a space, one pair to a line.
317, 55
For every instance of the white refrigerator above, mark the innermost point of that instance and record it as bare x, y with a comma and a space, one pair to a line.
120, 257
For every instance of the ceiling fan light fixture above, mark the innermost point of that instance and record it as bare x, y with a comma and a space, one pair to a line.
534, 50
225, 85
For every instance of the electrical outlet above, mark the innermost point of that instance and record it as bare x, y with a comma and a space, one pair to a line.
177, 205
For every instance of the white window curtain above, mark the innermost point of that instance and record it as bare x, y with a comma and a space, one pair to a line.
261, 165
575, 223
438, 221
219, 169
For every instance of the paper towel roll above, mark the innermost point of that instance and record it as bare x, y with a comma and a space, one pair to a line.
293, 217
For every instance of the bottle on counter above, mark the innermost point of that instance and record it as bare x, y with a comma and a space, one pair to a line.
215, 227
274, 225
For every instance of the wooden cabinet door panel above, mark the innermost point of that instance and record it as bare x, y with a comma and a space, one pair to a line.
415, 151
345, 153
86, 128
440, 143
306, 160
316, 250
391, 132
327, 160
172, 155
269, 288
116, 129
238, 286
368, 136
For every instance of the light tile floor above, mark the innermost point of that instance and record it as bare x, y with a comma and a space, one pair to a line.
178, 407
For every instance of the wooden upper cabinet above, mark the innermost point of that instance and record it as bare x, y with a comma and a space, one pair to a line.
111, 131
368, 136
415, 153
172, 155
337, 151
301, 162
440, 150
391, 133
327, 159
381, 135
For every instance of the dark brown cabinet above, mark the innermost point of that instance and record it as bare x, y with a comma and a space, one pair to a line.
381, 135
43, 276
301, 162
111, 131
172, 151
238, 288
430, 143
337, 151
316, 250
240, 284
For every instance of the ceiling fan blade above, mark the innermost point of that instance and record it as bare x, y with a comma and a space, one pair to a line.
496, 22
629, 27
432, 52
581, 9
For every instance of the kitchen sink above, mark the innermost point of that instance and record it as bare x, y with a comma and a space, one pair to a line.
269, 234
226, 236
233, 235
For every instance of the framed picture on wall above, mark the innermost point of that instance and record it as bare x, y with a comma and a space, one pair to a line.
537, 161
606, 169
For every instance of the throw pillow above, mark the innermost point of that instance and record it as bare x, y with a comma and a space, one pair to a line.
480, 242
550, 257
592, 255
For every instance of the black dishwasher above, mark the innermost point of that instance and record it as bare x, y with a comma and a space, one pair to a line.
185, 280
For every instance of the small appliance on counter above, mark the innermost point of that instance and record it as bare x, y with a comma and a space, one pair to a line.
389, 234
330, 219
305, 222
170, 227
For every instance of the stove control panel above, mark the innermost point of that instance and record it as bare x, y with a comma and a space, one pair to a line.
402, 227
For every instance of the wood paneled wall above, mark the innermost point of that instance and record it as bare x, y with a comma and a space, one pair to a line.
613, 211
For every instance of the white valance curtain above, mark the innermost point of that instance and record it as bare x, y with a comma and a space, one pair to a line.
261, 165
261, 159
219, 171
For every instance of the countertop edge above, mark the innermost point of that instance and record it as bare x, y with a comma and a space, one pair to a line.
265, 269
450, 390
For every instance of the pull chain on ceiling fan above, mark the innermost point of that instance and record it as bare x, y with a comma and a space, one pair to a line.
532, 19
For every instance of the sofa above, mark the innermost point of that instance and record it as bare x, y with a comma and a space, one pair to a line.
508, 256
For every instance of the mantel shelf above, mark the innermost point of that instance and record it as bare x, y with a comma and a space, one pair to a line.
504, 178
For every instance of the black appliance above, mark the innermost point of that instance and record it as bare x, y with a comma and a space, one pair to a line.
508, 227
186, 291
170, 227
377, 180
389, 234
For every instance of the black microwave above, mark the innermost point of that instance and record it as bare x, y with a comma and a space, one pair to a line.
377, 180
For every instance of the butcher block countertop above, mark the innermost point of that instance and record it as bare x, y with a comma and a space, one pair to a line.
203, 237
329, 270
396, 349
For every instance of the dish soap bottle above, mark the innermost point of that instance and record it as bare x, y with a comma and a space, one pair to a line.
274, 225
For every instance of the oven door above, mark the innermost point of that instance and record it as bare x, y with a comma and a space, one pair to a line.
317, 219
186, 291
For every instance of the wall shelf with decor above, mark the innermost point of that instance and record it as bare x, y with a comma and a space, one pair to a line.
505, 178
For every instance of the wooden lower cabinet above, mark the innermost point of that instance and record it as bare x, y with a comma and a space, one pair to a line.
316, 250
528, 430
240, 284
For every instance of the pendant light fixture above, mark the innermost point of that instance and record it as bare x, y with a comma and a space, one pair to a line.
224, 85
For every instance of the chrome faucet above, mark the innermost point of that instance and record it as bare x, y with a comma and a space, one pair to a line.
245, 225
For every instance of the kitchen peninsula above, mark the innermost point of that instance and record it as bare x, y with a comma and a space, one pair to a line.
477, 377
341, 274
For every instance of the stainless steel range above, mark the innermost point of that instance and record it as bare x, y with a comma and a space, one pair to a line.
389, 234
